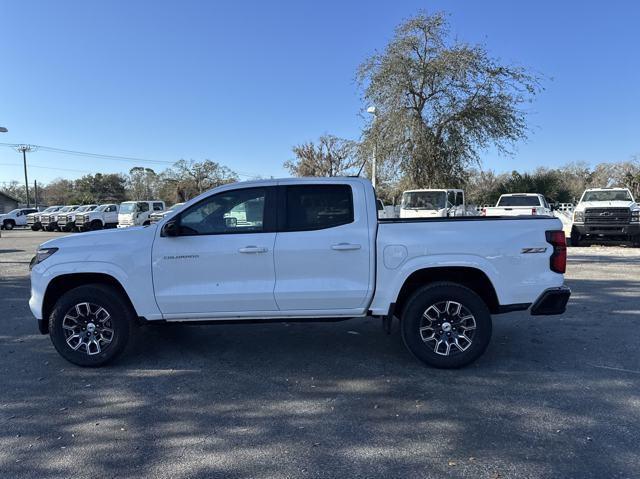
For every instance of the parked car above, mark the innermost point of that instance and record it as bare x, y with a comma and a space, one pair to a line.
104, 216
136, 213
17, 217
34, 219
67, 221
436, 203
158, 215
307, 249
516, 204
606, 213
50, 221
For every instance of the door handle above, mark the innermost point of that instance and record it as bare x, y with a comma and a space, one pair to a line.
253, 249
345, 246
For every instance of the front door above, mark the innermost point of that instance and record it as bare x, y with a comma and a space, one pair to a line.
222, 260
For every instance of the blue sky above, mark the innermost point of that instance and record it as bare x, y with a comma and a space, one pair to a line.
242, 82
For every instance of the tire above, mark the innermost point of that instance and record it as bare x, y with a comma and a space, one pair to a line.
9, 225
95, 225
71, 311
146, 223
432, 341
34, 228
576, 238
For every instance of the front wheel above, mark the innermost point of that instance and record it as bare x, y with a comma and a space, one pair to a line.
8, 225
446, 325
91, 325
576, 238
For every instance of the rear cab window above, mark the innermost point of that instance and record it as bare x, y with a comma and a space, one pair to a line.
316, 207
519, 201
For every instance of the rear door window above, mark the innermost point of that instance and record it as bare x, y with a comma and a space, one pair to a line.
315, 207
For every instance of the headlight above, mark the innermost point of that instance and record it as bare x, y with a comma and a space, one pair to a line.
635, 216
41, 255
578, 217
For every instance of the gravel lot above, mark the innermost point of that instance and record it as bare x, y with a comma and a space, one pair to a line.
555, 397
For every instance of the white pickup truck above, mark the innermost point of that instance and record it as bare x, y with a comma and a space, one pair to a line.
606, 213
516, 204
104, 216
17, 217
432, 203
306, 249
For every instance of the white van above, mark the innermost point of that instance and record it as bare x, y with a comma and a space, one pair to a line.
432, 203
136, 213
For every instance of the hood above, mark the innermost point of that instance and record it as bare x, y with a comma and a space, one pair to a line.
605, 204
110, 237
3, 215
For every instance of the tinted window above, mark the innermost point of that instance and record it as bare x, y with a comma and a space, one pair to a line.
236, 211
451, 197
315, 207
158, 207
110, 208
459, 198
519, 201
143, 207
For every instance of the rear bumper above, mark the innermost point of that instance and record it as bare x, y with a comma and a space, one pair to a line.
551, 301
629, 229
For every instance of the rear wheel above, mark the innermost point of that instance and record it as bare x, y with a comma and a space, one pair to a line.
91, 325
9, 224
446, 325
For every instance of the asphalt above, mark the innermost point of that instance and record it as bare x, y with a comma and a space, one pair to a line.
555, 397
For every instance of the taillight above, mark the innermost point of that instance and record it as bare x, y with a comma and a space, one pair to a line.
534, 211
558, 260
483, 212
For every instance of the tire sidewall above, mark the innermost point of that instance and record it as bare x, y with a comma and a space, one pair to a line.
8, 225
412, 318
121, 318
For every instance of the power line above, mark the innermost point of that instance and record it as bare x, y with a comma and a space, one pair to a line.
31, 165
102, 156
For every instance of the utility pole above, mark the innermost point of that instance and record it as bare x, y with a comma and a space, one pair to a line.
372, 111
24, 149
35, 193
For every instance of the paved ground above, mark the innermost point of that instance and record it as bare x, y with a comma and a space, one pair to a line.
555, 397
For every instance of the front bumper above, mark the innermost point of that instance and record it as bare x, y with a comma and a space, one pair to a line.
551, 301
629, 229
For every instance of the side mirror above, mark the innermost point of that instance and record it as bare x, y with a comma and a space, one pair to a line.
170, 228
230, 222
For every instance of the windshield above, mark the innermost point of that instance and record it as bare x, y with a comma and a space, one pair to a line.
51, 209
607, 195
65, 209
13, 211
519, 201
127, 208
102, 207
424, 200
86, 208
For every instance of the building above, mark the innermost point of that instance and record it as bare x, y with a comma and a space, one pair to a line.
7, 203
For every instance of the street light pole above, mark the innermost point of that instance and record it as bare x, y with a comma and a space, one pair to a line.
372, 110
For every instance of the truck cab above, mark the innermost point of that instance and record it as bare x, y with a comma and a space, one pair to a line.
606, 213
137, 213
432, 203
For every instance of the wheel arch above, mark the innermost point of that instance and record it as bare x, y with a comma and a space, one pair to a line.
66, 282
473, 278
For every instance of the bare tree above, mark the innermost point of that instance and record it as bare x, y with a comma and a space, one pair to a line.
330, 156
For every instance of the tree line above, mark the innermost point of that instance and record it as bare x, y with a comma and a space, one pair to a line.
179, 183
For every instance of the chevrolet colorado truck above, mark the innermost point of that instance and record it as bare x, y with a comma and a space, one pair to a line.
606, 213
302, 249
516, 204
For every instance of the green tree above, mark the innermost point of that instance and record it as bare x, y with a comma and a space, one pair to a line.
143, 183
100, 188
440, 101
330, 156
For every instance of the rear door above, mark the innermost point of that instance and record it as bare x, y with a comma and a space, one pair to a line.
322, 252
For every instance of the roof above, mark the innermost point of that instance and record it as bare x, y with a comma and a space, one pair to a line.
3, 193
